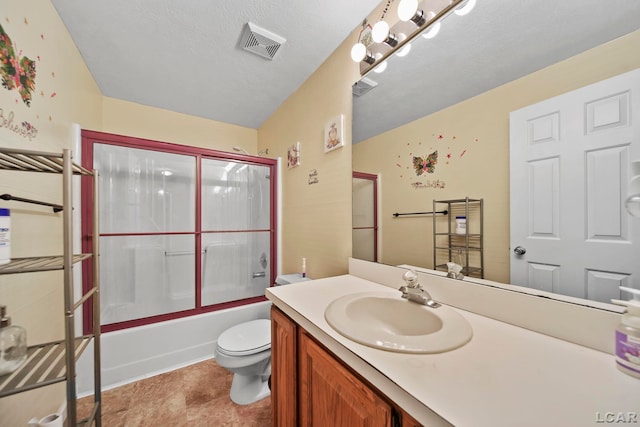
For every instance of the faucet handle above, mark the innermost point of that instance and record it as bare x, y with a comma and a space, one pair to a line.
411, 279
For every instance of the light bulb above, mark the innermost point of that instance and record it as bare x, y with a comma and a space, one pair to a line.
468, 7
406, 48
380, 67
380, 31
404, 51
358, 52
433, 31
407, 9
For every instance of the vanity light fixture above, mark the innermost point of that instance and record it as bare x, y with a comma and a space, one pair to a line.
359, 53
380, 67
378, 43
406, 48
434, 29
408, 11
380, 31
468, 7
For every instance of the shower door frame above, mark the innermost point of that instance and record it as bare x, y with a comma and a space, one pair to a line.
89, 138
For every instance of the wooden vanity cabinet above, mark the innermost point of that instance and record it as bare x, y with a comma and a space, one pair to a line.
284, 378
311, 387
329, 395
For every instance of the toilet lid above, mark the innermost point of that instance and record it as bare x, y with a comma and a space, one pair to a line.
246, 338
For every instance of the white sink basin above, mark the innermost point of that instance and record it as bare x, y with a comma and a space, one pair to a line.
386, 321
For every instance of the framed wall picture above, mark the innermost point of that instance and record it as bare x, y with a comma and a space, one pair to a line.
293, 155
333, 134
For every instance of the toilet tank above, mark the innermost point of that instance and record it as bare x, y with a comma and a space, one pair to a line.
286, 279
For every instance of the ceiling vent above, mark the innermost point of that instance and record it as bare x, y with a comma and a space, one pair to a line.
363, 86
260, 41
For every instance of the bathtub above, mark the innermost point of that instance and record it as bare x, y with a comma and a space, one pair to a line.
132, 354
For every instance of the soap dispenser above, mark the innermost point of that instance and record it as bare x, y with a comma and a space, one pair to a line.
13, 344
628, 335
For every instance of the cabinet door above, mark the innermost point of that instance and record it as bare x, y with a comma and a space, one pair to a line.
330, 395
408, 420
283, 370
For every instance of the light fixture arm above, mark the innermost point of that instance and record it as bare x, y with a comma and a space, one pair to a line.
419, 18
391, 40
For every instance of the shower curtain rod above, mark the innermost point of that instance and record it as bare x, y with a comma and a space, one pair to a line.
56, 208
444, 212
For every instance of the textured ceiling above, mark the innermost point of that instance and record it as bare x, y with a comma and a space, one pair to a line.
185, 56
499, 41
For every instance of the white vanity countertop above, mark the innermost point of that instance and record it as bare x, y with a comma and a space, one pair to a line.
505, 376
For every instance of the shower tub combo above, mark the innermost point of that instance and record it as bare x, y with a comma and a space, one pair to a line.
186, 238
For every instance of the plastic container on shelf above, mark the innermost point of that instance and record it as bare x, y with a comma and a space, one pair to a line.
628, 335
461, 225
5, 236
13, 344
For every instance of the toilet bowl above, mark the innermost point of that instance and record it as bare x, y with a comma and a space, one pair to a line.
245, 350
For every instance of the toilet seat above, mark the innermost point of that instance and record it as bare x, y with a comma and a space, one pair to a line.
246, 338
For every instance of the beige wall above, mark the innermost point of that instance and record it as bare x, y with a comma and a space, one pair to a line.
65, 94
316, 218
127, 118
481, 126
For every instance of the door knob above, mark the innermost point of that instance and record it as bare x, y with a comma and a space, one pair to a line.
519, 250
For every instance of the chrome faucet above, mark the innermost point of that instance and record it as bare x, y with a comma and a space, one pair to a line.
413, 291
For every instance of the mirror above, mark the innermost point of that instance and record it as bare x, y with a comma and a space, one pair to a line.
452, 95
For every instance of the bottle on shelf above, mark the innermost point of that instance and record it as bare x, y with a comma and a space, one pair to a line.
5, 236
13, 344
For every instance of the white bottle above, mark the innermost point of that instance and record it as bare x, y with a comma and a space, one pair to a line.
628, 335
5, 236
304, 267
461, 225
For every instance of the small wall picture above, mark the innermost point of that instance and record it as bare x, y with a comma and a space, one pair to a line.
333, 134
293, 155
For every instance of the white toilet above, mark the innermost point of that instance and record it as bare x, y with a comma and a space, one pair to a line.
245, 350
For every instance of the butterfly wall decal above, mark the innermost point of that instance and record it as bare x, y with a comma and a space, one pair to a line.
426, 164
16, 72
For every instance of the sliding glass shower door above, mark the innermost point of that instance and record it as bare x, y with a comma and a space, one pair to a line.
148, 227
236, 218
182, 231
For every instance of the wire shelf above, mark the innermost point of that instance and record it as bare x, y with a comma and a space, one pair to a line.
45, 365
42, 263
36, 161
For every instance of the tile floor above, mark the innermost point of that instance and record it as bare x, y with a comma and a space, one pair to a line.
194, 396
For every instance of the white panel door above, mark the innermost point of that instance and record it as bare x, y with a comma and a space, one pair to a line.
570, 171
